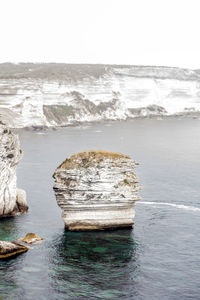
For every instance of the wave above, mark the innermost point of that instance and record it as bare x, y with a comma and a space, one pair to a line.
180, 206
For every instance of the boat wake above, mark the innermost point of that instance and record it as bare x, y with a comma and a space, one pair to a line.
180, 206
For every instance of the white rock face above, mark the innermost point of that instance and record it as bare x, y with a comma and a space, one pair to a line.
60, 95
96, 190
12, 200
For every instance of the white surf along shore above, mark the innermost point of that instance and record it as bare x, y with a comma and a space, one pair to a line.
61, 94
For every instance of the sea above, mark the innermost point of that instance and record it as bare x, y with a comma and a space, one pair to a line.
159, 258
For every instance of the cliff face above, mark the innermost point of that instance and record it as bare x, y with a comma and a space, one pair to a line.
12, 200
96, 190
61, 94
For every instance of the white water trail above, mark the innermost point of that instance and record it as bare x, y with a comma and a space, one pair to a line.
180, 206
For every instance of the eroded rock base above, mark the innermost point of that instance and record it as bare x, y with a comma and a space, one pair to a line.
21, 205
98, 219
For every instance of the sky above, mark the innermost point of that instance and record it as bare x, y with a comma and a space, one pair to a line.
137, 32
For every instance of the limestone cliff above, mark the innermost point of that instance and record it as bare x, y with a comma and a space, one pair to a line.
96, 190
64, 94
12, 200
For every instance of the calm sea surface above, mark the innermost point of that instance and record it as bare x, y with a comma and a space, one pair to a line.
158, 259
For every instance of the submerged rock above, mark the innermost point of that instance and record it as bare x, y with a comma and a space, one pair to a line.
8, 249
31, 238
12, 200
96, 190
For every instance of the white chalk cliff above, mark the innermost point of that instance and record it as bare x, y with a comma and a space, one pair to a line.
12, 200
62, 94
96, 190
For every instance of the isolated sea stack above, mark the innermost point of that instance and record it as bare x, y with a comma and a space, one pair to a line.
96, 190
12, 200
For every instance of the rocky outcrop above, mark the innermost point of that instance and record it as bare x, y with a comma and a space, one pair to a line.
12, 200
8, 249
13, 248
96, 190
31, 238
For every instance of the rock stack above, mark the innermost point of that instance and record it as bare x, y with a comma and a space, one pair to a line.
12, 200
96, 190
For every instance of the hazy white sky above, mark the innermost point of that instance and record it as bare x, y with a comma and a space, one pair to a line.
140, 32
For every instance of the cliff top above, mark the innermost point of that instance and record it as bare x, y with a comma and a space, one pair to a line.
85, 158
70, 72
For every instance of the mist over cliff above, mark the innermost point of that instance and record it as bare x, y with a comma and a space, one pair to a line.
55, 94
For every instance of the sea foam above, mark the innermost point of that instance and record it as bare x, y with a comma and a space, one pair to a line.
180, 206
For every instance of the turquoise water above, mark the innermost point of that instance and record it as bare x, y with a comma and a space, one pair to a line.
157, 259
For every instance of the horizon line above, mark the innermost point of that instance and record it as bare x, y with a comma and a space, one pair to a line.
99, 64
